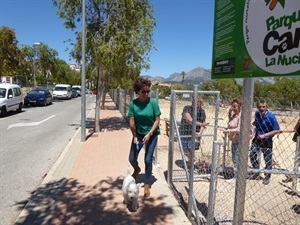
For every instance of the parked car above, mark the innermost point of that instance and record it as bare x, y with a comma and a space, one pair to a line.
88, 92
10, 98
74, 93
77, 89
169, 97
38, 97
62, 91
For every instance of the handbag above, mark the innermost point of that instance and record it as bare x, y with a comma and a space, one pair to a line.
296, 134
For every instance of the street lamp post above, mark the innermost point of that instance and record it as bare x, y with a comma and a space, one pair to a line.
34, 69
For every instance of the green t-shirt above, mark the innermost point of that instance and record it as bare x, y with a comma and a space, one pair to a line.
144, 114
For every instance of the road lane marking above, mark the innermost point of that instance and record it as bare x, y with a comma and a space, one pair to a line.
29, 124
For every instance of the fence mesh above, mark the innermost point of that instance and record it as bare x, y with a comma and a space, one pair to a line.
274, 203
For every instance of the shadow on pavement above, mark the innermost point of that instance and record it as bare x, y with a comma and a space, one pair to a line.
113, 124
67, 201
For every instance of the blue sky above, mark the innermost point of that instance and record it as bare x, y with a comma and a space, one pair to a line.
183, 35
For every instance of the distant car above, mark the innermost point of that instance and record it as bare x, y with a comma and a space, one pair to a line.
38, 97
169, 97
62, 91
88, 91
77, 89
74, 93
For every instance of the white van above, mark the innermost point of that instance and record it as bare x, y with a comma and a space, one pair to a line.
10, 98
62, 91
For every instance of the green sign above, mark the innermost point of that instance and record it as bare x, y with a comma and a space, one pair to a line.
256, 38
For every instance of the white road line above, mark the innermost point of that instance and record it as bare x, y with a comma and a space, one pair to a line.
29, 124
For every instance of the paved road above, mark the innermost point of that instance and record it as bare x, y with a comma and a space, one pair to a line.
30, 143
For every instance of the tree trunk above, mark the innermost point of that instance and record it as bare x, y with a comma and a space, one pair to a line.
98, 98
103, 98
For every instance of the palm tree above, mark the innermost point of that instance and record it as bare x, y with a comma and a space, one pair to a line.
183, 75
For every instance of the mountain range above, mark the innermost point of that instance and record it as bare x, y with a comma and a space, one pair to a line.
198, 76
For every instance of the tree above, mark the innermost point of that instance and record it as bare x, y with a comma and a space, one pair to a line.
286, 90
227, 87
46, 62
207, 86
260, 89
183, 75
119, 36
8, 51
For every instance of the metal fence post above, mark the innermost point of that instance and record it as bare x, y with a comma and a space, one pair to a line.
155, 151
171, 139
296, 164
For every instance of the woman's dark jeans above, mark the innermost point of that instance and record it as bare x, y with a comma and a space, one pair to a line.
133, 155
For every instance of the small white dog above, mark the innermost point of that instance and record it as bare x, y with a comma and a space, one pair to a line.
130, 191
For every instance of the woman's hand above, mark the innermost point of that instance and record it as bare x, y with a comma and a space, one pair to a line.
205, 124
146, 138
222, 129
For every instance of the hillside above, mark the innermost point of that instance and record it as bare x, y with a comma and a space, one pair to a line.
199, 75
193, 77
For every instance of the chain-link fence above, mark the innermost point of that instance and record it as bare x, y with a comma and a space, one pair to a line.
211, 188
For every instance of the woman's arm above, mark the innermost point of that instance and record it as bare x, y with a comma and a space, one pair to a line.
189, 119
153, 129
133, 129
155, 125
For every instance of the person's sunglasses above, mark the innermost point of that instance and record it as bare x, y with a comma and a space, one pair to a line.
144, 92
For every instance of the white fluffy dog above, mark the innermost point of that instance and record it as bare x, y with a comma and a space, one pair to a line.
130, 191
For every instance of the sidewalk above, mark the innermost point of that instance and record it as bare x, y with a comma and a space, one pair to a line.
84, 185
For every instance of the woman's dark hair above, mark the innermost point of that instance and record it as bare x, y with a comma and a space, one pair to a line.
140, 83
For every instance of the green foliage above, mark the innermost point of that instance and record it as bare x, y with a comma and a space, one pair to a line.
225, 86
9, 52
163, 90
178, 86
285, 89
207, 86
118, 36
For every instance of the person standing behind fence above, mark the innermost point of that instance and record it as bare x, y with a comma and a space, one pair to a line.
186, 126
144, 118
266, 126
233, 129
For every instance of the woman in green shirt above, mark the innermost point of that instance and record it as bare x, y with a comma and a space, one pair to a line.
144, 118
